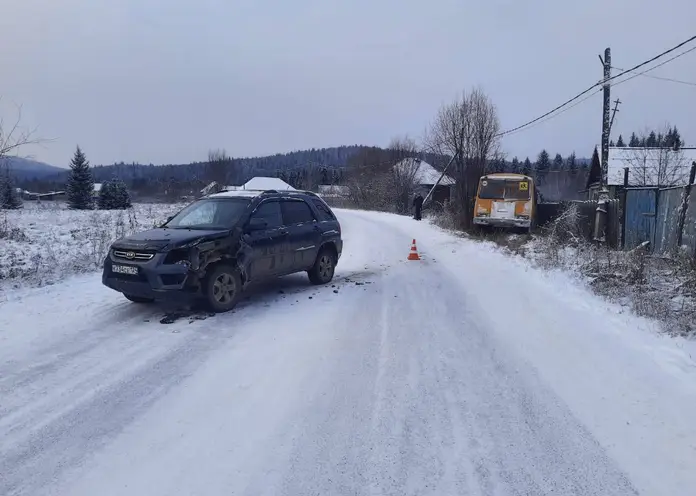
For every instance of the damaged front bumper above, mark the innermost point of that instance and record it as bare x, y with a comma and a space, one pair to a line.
152, 278
502, 222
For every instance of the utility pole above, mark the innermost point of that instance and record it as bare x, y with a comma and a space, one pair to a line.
444, 171
606, 114
601, 212
617, 102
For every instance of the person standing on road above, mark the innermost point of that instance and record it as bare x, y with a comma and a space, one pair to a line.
418, 205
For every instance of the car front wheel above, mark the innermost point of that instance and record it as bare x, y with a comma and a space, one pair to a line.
222, 289
324, 267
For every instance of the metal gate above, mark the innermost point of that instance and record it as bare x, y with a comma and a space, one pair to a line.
641, 210
667, 221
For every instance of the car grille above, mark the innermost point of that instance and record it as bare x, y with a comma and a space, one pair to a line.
133, 255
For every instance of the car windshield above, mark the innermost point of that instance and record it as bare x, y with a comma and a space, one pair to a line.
504, 189
210, 214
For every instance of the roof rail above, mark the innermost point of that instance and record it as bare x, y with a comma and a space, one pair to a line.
269, 191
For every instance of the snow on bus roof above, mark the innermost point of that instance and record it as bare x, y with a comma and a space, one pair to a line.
507, 176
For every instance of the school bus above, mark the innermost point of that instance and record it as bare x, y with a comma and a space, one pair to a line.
506, 200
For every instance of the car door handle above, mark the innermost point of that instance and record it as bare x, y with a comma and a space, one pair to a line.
284, 232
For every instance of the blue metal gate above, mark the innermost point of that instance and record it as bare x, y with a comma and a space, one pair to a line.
641, 210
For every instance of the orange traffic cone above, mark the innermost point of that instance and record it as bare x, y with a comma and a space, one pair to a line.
413, 255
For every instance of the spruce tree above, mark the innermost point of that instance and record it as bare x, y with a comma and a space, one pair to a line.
620, 142
678, 142
527, 167
543, 163
673, 139
634, 142
80, 184
106, 196
114, 196
596, 164
572, 164
515, 165
121, 196
9, 199
611, 143
651, 140
558, 162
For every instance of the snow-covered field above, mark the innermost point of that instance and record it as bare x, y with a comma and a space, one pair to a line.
43, 243
469, 372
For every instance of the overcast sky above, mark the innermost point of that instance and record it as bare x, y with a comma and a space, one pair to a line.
163, 81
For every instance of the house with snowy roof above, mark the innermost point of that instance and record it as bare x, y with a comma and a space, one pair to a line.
261, 183
425, 176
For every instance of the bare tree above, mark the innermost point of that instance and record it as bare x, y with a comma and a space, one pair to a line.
384, 179
220, 167
468, 130
13, 136
656, 166
402, 156
368, 179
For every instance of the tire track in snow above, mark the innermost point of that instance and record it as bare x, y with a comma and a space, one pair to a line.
98, 372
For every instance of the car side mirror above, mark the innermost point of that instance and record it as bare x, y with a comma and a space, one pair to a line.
256, 224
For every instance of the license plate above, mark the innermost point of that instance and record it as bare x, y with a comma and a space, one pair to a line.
125, 269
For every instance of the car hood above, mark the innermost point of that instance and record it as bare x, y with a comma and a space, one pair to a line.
165, 239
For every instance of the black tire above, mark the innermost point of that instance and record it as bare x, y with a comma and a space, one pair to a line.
222, 288
322, 271
138, 299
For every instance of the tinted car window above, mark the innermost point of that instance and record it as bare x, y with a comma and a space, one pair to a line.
295, 212
324, 211
270, 212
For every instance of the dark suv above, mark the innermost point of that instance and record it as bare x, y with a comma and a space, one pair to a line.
216, 246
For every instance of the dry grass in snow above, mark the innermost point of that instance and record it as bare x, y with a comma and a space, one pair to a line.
658, 287
44, 243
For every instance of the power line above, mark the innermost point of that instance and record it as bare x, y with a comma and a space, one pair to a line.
564, 104
643, 73
566, 109
662, 78
599, 83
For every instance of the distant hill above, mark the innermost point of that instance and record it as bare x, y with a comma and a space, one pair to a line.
302, 169
323, 164
244, 168
24, 169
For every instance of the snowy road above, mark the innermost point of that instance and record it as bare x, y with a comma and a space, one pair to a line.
467, 373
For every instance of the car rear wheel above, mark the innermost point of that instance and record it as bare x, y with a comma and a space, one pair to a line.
324, 267
138, 299
222, 289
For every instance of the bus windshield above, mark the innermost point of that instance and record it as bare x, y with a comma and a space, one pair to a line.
504, 189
